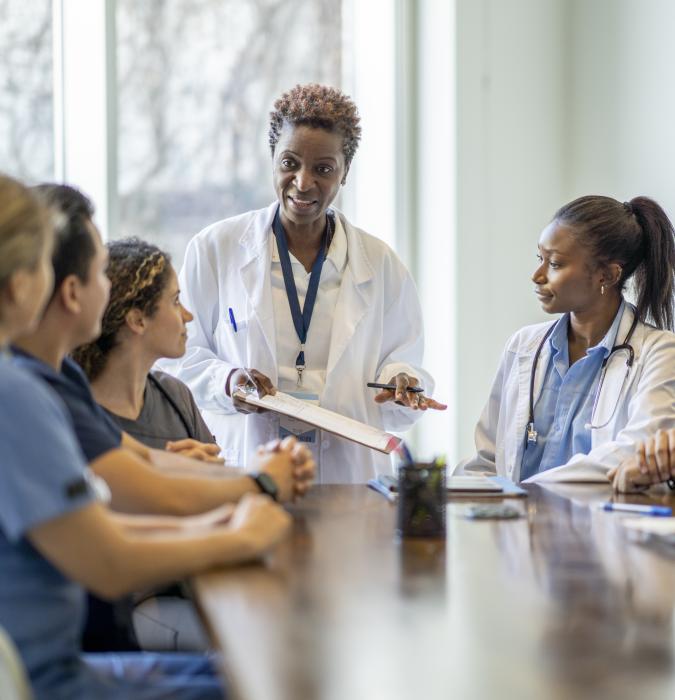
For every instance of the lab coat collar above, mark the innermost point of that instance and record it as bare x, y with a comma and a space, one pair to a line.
356, 294
255, 277
255, 239
337, 253
256, 235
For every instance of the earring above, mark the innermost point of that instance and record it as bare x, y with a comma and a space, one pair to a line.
602, 289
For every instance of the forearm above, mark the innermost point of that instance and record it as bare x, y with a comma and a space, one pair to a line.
112, 559
137, 487
148, 523
172, 523
177, 463
161, 557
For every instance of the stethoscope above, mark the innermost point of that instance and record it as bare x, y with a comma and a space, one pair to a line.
531, 434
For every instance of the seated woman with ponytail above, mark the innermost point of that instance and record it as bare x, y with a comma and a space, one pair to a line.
143, 322
573, 397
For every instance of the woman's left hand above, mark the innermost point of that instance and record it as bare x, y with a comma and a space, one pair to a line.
203, 451
411, 399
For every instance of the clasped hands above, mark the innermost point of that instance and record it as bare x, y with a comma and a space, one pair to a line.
652, 463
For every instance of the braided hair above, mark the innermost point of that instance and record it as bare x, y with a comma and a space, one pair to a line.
138, 272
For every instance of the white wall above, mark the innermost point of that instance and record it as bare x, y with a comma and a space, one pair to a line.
555, 99
436, 432
369, 58
511, 165
622, 99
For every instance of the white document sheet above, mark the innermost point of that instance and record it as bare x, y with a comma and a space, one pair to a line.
327, 420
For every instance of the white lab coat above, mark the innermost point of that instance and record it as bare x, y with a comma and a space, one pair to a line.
377, 332
645, 404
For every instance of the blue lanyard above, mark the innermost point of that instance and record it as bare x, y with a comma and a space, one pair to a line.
301, 319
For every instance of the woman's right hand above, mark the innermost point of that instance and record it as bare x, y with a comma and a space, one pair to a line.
656, 456
241, 377
652, 463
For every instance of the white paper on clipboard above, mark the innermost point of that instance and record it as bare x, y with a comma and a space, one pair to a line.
326, 420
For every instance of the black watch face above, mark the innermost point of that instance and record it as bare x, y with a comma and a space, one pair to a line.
267, 484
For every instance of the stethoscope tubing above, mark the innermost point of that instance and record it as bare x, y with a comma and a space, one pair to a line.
616, 348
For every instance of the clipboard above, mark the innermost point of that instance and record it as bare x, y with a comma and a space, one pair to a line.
331, 422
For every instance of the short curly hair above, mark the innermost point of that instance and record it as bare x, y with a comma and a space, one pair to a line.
139, 273
318, 106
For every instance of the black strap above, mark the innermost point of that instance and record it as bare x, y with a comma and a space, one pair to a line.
186, 424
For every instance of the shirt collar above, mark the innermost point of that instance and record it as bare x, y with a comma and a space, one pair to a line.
609, 341
39, 367
558, 339
558, 342
42, 369
337, 253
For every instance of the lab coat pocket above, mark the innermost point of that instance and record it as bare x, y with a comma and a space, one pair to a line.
230, 343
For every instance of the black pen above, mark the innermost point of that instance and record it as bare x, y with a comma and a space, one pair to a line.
392, 387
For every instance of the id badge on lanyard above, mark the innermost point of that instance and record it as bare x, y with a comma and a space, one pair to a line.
301, 317
307, 434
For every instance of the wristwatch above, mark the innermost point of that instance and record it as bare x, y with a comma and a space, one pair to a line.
266, 484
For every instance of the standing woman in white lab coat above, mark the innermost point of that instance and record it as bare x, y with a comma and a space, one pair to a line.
295, 297
571, 398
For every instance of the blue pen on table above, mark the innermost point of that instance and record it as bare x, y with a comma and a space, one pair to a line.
380, 488
658, 511
232, 319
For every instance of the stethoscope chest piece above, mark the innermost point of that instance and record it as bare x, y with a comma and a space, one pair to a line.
531, 434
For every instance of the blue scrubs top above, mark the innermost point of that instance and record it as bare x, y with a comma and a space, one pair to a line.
563, 409
43, 477
95, 430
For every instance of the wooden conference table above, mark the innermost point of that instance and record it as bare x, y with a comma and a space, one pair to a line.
558, 604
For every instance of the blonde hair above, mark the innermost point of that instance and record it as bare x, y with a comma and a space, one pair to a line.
25, 225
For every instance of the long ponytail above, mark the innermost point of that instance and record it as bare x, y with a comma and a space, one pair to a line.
638, 236
654, 277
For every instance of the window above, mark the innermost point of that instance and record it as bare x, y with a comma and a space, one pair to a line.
26, 92
196, 80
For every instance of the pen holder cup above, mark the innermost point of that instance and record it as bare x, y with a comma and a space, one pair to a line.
421, 501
